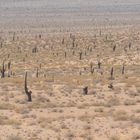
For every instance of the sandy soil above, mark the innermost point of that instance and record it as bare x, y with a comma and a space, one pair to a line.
57, 76
65, 46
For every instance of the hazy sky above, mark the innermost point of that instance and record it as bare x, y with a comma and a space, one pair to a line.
27, 12
62, 3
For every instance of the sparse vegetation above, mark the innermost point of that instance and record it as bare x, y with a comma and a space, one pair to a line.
69, 84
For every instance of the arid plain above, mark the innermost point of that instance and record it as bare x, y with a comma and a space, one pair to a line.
84, 78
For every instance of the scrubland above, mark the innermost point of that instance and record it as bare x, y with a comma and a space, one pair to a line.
85, 86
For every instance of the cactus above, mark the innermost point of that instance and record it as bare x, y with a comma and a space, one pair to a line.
92, 71
125, 49
91, 68
85, 90
37, 74
34, 50
65, 54
40, 36
111, 86
3, 70
14, 36
88, 48
80, 72
73, 40
8, 55
73, 53
114, 48
85, 53
91, 49
129, 45
100, 33
80, 55
28, 93
99, 64
91, 65
63, 41
106, 37
1, 45
40, 66
112, 72
123, 68
9, 68
73, 43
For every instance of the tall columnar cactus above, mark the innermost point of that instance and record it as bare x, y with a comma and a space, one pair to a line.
80, 55
123, 69
34, 50
73, 52
106, 37
91, 49
40, 66
91, 68
65, 54
37, 74
63, 41
8, 56
3, 70
73, 40
85, 53
99, 64
112, 73
129, 45
100, 33
114, 48
9, 68
40, 36
1, 44
14, 36
28, 93
73, 43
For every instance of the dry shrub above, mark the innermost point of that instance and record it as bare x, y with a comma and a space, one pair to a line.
129, 102
136, 136
99, 110
135, 119
114, 137
114, 101
6, 106
121, 115
15, 138
6, 121
69, 135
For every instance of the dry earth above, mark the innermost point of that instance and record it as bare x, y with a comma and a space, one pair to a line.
56, 76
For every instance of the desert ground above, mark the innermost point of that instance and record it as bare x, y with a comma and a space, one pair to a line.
84, 78
59, 66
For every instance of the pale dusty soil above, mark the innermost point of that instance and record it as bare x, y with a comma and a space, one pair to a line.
59, 110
